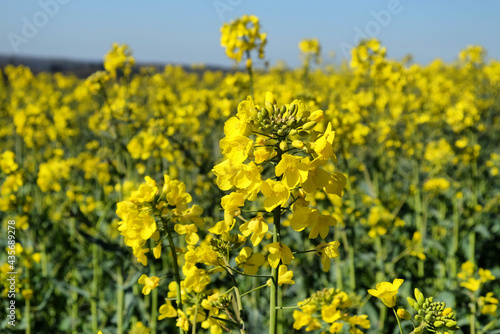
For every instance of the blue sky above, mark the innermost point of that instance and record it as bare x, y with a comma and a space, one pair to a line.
188, 31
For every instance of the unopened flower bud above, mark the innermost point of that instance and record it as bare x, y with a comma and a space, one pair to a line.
403, 314
419, 296
309, 125
451, 323
283, 145
270, 98
269, 107
438, 323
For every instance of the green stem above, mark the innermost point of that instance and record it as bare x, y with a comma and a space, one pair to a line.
472, 318
95, 279
338, 264
397, 318
74, 307
236, 291
472, 242
417, 197
43, 255
176, 274
119, 301
454, 246
195, 314
254, 289
27, 309
154, 304
250, 74
273, 297
350, 257
279, 307
379, 277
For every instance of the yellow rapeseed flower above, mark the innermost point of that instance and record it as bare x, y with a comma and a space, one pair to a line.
387, 292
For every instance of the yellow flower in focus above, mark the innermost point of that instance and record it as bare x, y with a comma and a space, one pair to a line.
327, 251
276, 194
250, 262
322, 226
236, 148
167, 310
323, 146
293, 170
257, 227
231, 204
182, 320
146, 192
149, 283
279, 252
387, 292
284, 276
190, 231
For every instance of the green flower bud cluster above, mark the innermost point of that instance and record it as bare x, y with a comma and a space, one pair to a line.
222, 303
434, 316
328, 295
280, 122
226, 242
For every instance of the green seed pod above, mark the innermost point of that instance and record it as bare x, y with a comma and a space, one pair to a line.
438, 323
451, 323
309, 125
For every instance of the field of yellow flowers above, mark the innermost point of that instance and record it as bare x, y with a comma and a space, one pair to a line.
359, 198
